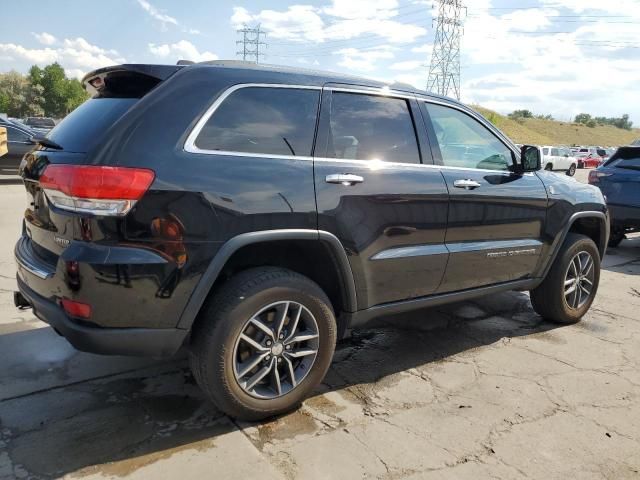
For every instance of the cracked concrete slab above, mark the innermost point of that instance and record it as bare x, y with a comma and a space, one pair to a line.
481, 389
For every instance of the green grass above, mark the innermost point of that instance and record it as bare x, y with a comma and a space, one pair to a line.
551, 132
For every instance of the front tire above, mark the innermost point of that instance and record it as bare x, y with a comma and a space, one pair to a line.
570, 287
263, 342
572, 170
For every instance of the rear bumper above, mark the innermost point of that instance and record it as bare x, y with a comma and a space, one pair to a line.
150, 342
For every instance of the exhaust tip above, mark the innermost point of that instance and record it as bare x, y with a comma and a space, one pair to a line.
20, 302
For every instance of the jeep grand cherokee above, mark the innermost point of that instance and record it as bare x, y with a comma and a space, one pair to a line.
252, 214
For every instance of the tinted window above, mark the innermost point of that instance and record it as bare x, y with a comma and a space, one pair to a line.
15, 135
554, 152
275, 121
88, 123
371, 127
465, 142
632, 163
41, 122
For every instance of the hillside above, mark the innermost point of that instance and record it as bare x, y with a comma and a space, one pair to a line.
550, 132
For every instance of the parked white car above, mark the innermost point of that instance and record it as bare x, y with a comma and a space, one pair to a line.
558, 158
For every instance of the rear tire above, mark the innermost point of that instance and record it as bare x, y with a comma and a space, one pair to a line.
232, 332
554, 298
548, 167
572, 170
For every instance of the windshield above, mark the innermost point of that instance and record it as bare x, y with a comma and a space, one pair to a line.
88, 123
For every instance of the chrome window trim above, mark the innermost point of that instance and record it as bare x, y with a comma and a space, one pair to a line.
190, 147
190, 143
381, 92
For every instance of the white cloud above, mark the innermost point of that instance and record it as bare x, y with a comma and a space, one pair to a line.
45, 38
156, 14
35, 55
359, 9
182, 50
76, 55
426, 48
296, 23
342, 20
165, 19
407, 65
363, 60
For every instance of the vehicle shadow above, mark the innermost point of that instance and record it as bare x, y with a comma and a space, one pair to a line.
140, 416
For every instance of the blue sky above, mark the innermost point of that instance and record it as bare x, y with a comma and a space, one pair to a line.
551, 56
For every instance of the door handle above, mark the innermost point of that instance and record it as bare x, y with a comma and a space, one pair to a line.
346, 179
467, 184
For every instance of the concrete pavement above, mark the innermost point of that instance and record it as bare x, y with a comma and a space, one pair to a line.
473, 390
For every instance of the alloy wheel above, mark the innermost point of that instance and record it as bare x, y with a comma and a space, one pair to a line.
276, 350
579, 280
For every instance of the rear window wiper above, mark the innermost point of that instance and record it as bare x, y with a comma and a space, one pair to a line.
45, 142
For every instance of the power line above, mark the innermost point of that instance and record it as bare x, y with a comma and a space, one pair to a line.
444, 71
251, 43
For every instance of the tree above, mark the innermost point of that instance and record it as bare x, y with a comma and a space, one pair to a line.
582, 118
54, 83
75, 95
43, 91
591, 123
13, 93
521, 114
623, 122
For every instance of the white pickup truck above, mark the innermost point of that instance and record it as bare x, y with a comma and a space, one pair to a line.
558, 158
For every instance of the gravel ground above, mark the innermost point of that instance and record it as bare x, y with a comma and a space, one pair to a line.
472, 390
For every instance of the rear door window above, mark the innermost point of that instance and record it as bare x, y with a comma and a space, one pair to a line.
372, 127
262, 120
555, 152
545, 151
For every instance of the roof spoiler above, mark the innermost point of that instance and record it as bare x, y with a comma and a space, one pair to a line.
110, 81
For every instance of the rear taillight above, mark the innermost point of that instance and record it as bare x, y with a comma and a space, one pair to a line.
595, 176
96, 190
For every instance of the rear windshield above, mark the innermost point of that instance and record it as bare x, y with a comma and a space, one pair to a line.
632, 163
87, 124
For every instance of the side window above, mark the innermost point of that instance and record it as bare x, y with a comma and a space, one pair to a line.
262, 120
371, 127
545, 151
555, 152
15, 135
464, 142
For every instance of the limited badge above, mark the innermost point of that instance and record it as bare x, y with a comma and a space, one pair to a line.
63, 242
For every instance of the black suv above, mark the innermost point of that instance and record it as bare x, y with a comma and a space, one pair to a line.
252, 214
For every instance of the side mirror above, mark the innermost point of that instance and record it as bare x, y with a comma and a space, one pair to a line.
530, 160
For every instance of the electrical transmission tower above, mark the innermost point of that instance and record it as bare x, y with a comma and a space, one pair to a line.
251, 43
444, 72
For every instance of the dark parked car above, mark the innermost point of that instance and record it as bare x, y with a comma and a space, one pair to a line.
276, 209
19, 141
619, 180
41, 125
